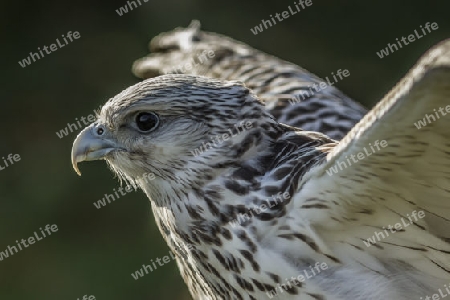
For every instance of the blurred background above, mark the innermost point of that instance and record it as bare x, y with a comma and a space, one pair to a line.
95, 251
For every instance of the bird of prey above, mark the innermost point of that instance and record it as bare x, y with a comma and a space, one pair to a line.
254, 208
291, 94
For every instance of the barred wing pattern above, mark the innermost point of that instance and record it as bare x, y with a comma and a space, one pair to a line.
292, 95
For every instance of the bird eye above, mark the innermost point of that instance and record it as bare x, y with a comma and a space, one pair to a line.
147, 121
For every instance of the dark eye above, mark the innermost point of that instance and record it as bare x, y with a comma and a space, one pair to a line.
147, 121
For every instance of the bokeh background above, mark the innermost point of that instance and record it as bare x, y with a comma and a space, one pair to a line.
95, 251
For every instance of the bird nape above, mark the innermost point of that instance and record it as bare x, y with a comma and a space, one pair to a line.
255, 207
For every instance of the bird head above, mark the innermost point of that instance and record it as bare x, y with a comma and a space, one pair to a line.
180, 128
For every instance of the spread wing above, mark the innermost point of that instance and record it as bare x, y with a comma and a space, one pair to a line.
391, 201
292, 95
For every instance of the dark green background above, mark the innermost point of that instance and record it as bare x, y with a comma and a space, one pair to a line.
95, 251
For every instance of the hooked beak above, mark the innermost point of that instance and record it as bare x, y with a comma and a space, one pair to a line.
93, 143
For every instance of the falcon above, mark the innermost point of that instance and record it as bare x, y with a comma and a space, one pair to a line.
255, 208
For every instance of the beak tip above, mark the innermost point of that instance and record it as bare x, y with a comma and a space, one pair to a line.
77, 171
75, 166
77, 158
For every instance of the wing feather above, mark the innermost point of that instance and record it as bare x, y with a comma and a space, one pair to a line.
390, 185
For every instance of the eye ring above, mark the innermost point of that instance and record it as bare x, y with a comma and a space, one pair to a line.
147, 121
